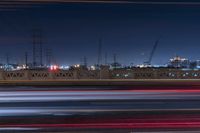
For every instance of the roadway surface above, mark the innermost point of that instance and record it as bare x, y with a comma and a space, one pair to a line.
101, 109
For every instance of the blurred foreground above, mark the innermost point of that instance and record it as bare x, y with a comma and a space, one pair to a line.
100, 109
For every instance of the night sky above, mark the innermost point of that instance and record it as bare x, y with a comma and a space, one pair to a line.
130, 30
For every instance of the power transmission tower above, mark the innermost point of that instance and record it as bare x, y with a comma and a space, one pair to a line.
34, 49
37, 48
26, 60
48, 56
115, 60
7, 58
106, 58
85, 61
41, 54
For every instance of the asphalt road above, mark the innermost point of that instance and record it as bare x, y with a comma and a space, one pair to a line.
124, 109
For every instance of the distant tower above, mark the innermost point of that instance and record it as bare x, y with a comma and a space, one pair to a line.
115, 58
41, 53
34, 51
99, 53
115, 61
37, 47
85, 61
49, 56
26, 60
106, 58
7, 58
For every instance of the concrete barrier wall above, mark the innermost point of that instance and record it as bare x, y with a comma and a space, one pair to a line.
64, 75
2, 75
151, 73
136, 73
39, 75
36, 75
85, 74
15, 75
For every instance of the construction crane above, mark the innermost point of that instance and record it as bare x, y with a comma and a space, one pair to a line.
152, 52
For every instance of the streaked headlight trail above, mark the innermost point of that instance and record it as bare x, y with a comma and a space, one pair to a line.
83, 109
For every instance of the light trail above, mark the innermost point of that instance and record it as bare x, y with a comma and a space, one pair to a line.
132, 122
42, 96
104, 109
112, 1
23, 4
36, 111
152, 125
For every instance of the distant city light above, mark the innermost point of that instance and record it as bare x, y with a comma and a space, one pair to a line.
53, 67
64, 67
92, 67
77, 65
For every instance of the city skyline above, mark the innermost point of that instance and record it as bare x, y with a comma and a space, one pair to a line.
129, 30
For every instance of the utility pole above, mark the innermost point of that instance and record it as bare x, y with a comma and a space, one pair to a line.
115, 61
48, 56
34, 49
106, 57
26, 60
85, 61
99, 57
41, 54
7, 59
99, 53
37, 47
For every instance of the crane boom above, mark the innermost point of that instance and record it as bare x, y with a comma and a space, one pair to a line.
152, 52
